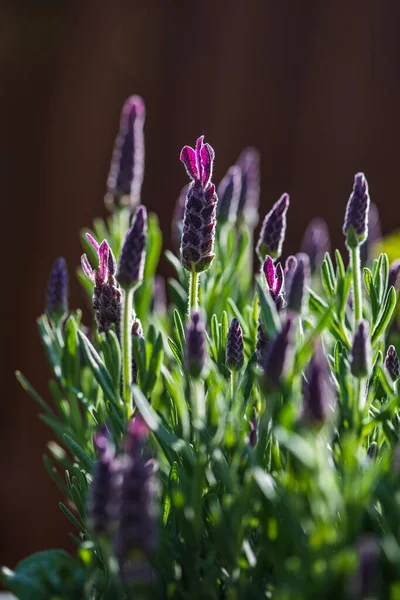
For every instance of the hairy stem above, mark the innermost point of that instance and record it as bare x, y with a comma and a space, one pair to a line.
356, 271
193, 292
126, 339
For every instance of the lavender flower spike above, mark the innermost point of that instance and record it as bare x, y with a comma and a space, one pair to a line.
195, 345
317, 390
278, 354
249, 199
136, 537
200, 208
316, 242
133, 253
360, 360
356, 219
229, 194
57, 291
299, 282
127, 166
276, 285
273, 230
392, 363
234, 347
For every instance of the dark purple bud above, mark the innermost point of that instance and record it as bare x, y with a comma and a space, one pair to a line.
374, 233
106, 294
127, 166
360, 359
317, 389
101, 490
136, 537
249, 199
273, 230
57, 291
133, 252
299, 282
278, 354
356, 219
392, 363
290, 267
275, 282
394, 272
199, 219
177, 217
228, 195
363, 583
316, 242
234, 347
195, 345
372, 451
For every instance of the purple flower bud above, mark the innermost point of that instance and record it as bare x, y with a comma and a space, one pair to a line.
273, 230
317, 389
127, 166
199, 220
57, 291
316, 242
394, 272
278, 353
177, 217
234, 347
299, 282
374, 233
356, 219
392, 363
195, 345
372, 451
106, 294
133, 252
360, 359
101, 490
249, 199
290, 267
363, 583
228, 195
136, 537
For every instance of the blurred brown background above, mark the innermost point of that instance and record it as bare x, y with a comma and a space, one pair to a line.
314, 85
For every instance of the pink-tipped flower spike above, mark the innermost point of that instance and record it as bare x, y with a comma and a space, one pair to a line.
316, 242
125, 179
355, 225
273, 230
133, 252
200, 208
106, 294
229, 194
249, 199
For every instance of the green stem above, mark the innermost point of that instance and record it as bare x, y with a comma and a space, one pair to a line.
356, 271
126, 339
233, 384
193, 292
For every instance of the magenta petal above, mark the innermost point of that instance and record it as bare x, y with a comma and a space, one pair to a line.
87, 269
269, 272
103, 260
279, 278
92, 241
207, 158
188, 157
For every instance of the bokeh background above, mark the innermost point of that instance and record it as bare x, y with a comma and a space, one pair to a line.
315, 85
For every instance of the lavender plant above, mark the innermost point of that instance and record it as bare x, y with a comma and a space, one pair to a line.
240, 441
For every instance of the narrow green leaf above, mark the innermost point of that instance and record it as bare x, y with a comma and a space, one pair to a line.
97, 367
369, 284
386, 315
71, 517
112, 357
32, 393
70, 355
175, 351
79, 453
180, 331
154, 367
55, 476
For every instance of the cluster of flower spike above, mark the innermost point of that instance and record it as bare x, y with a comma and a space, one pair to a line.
123, 496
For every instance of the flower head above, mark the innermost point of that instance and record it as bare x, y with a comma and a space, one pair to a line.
360, 360
275, 282
273, 230
356, 219
127, 166
316, 242
195, 345
106, 294
392, 363
249, 199
133, 252
200, 208
57, 290
234, 346
229, 194
299, 281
